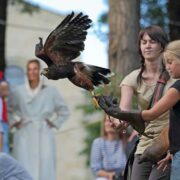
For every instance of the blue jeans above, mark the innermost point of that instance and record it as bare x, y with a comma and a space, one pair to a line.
175, 167
5, 138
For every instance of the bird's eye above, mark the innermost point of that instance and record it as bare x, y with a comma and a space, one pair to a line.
46, 69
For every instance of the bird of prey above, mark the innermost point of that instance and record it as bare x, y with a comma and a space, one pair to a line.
62, 46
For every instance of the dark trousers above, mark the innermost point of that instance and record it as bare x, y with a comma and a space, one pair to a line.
148, 171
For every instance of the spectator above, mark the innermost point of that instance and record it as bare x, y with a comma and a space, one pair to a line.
108, 158
10, 169
35, 110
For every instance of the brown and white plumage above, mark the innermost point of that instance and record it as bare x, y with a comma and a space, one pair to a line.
64, 44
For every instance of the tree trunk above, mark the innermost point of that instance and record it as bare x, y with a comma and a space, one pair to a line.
123, 20
3, 7
174, 19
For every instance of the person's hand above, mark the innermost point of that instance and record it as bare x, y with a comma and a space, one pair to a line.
17, 124
162, 164
109, 105
118, 124
111, 175
50, 124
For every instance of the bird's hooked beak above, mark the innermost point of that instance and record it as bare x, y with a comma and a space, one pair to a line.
44, 71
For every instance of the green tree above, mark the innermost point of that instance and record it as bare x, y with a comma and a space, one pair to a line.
154, 12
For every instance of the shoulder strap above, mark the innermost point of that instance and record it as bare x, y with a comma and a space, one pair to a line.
158, 91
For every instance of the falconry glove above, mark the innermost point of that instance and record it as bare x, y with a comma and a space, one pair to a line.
111, 107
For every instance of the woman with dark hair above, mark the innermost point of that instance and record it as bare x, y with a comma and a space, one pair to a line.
141, 83
108, 158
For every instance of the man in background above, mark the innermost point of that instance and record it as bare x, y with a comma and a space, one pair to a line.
35, 110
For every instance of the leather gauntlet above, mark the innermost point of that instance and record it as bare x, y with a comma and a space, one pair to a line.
111, 107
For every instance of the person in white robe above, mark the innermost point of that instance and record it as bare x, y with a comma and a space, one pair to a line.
35, 109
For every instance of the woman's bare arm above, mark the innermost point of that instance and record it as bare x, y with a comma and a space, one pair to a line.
126, 97
125, 104
164, 104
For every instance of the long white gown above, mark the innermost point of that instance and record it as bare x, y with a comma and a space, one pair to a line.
34, 142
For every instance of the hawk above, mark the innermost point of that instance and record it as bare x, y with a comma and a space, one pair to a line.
62, 46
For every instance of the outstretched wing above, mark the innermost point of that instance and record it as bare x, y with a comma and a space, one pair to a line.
67, 41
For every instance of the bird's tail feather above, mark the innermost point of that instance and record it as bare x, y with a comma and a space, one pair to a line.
97, 74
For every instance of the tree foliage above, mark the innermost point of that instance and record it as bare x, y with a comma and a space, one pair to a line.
25, 7
93, 131
154, 12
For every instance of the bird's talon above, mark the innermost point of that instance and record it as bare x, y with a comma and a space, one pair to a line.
96, 104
